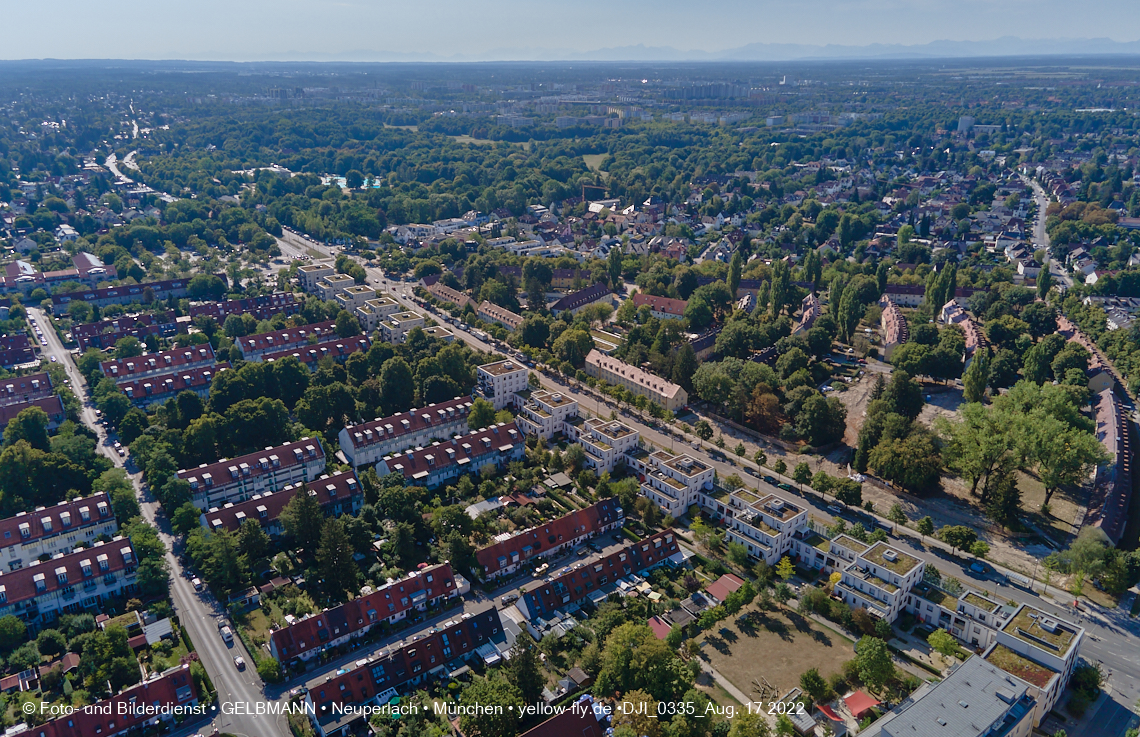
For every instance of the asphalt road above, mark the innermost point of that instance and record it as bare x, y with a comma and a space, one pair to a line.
1041, 238
198, 612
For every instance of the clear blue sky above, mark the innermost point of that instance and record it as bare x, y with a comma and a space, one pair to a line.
373, 29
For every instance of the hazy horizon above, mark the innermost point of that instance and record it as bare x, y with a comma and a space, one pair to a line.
509, 30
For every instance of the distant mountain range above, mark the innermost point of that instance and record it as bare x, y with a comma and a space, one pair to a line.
764, 52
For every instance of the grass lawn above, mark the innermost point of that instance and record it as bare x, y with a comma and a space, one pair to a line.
708, 685
469, 139
594, 161
778, 647
1063, 507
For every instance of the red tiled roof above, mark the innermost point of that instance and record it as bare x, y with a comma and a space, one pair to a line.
660, 627
539, 539
385, 602
24, 388
114, 715
124, 294
167, 385
580, 722
327, 489
338, 349
581, 298
280, 340
286, 455
263, 308
669, 306
455, 451
52, 405
97, 507
723, 586
82, 565
124, 368
386, 428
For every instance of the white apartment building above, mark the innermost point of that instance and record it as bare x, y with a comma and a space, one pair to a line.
355, 296
395, 328
972, 617
309, 274
215, 484
613, 371
605, 441
330, 286
546, 414
54, 530
764, 524
498, 382
68, 583
374, 310
880, 580
672, 482
368, 442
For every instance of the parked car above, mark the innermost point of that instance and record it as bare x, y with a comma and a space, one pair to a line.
770, 480
239, 661
583, 552
508, 599
196, 583
227, 635
979, 568
835, 509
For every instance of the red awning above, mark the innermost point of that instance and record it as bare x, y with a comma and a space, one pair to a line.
859, 703
830, 713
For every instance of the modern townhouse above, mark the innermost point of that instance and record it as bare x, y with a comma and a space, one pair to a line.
20, 389
490, 312
373, 311
606, 442
764, 524
179, 359
880, 580
614, 371
52, 530
369, 442
499, 382
68, 583
1039, 649
976, 700
338, 349
148, 391
331, 286
165, 699
355, 296
505, 556
399, 666
440, 463
972, 617
215, 484
265, 307
310, 274
672, 482
395, 328
545, 413
337, 494
394, 601
596, 576
253, 347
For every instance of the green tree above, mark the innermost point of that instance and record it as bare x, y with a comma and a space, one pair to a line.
785, 569
185, 519
896, 514
524, 671
780, 467
814, 685
347, 325
873, 659
925, 527
481, 415
943, 642
397, 389
958, 537
29, 425
490, 722
613, 267
1004, 506
252, 541
703, 430
269, 669
303, 518
802, 474
977, 377
334, 561
734, 267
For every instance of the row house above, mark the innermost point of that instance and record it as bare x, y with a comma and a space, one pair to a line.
130, 711
446, 294
69, 582
672, 482
265, 307
311, 355
972, 617
214, 484
606, 442
816, 551
505, 556
490, 312
106, 333
764, 524
440, 463
52, 406
16, 350
880, 580
614, 371
309, 275
594, 576
354, 296
1112, 483
663, 308
124, 370
338, 701
141, 293
577, 301
1041, 650
500, 382
893, 323
253, 347
151, 390
19, 389
373, 311
337, 494
53, 530
566, 279
388, 604
369, 442
395, 328
545, 414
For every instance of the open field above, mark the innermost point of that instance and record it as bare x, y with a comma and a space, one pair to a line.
778, 647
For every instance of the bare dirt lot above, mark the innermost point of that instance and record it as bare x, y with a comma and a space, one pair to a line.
777, 646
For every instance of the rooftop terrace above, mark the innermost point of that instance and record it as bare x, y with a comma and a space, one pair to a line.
1020, 666
1039, 629
901, 563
